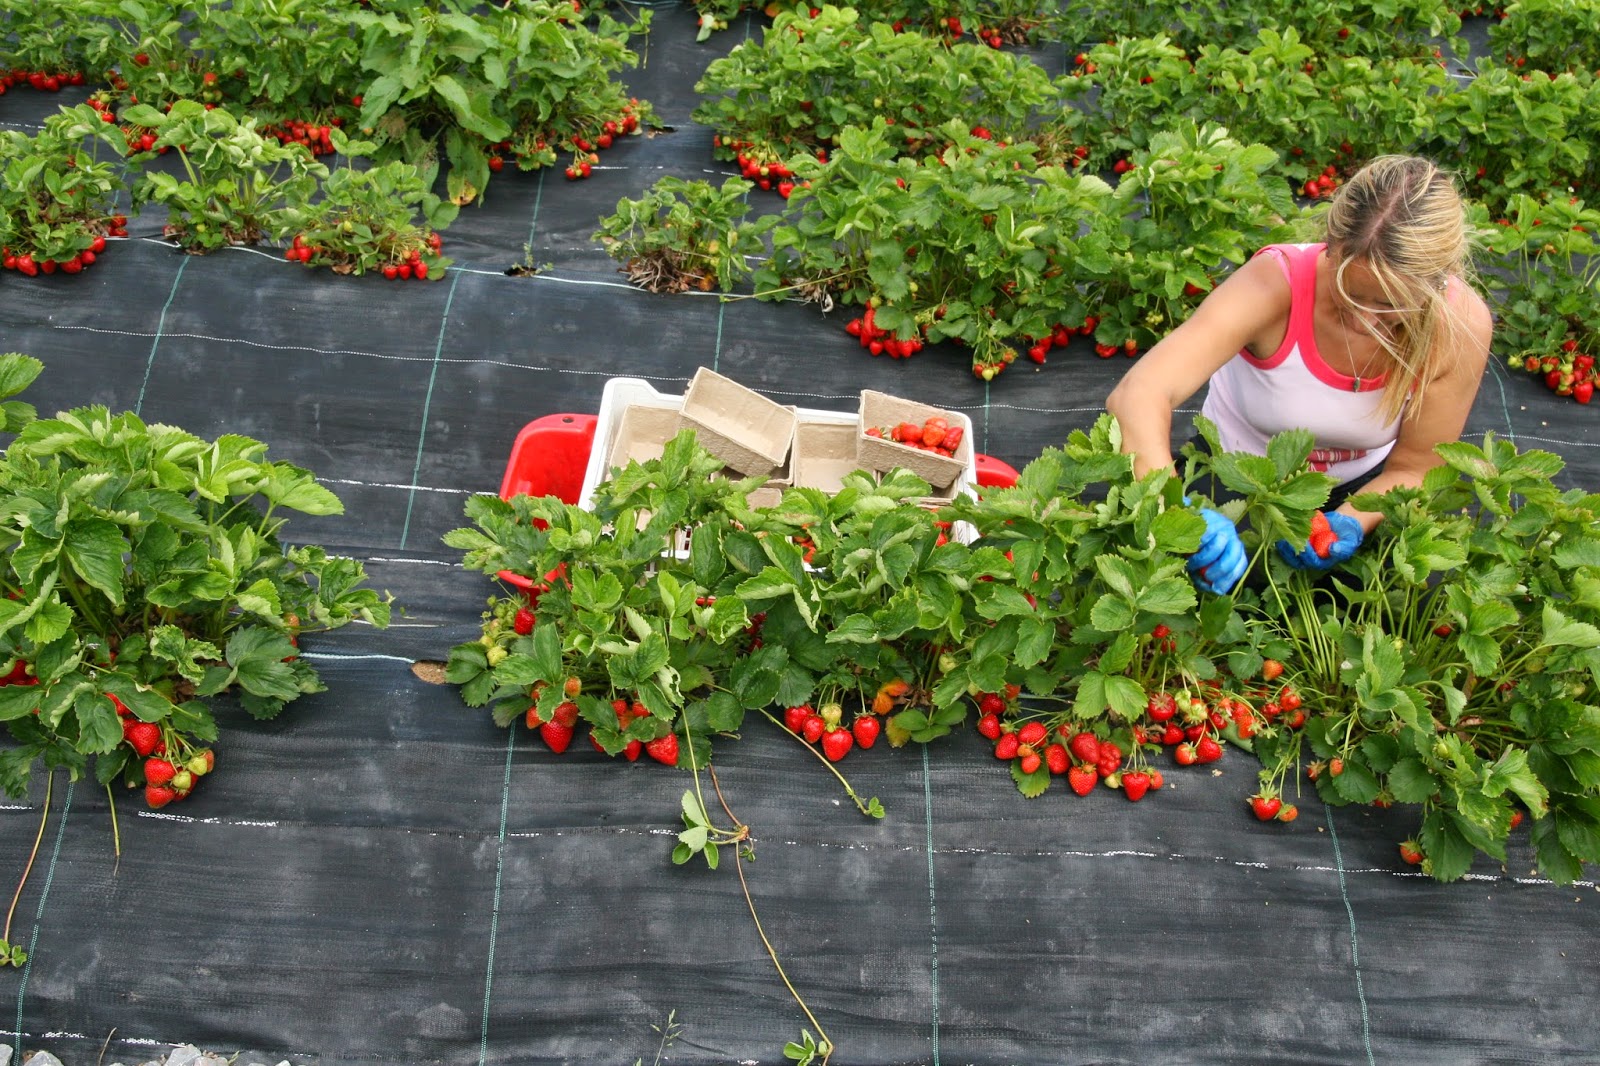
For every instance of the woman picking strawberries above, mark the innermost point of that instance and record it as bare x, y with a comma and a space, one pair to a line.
1372, 339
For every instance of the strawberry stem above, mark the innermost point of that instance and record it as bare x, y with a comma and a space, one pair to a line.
49, 787
772, 953
863, 808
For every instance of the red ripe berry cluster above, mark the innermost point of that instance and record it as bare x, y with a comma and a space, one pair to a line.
1323, 184
19, 674
881, 342
1081, 61
413, 266
753, 630
761, 164
1570, 373
314, 136
1128, 347
583, 165
46, 81
168, 775
826, 728
24, 262
934, 435
1060, 335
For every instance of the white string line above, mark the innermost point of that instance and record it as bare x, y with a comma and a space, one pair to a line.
402, 487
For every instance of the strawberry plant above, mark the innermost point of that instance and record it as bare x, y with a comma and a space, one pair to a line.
528, 79
807, 79
998, 259
57, 196
367, 220
1448, 663
1548, 35
1194, 204
685, 234
41, 45
238, 186
1545, 292
1508, 132
145, 574
992, 22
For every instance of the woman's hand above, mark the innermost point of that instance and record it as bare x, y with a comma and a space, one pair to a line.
1220, 561
1334, 539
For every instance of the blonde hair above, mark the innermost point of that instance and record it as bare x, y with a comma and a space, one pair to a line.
1402, 217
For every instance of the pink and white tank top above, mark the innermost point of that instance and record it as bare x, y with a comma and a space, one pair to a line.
1252, 399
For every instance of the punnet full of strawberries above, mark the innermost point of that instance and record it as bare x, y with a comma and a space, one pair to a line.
933, 434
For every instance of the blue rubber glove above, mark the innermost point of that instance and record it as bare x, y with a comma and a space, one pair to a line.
1220, 561
1347, 538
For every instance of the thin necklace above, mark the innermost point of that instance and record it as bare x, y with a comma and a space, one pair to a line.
1355, 381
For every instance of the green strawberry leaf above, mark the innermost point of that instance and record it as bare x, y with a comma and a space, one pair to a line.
1033, 785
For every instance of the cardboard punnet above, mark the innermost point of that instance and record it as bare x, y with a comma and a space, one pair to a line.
881, 454
824, 452
743, 428
642, 434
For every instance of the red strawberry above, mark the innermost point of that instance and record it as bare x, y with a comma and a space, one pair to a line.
1172, 735
1032, 733
1271, 669
1288, 813
664, 749
795, 717
1135, 784
989, 726
1265, 807
1006, 747
556, 736
1082, 779
1207, 750
1056, 757
1583, 391
1030, 762
866, 730
813, 727
1161, 707
1411, 852
836, 744
631, 752
532, 719
1086, 747
523, 622
1184, 755
1110, 759
144, 736
566, 714
158, 771
159, 795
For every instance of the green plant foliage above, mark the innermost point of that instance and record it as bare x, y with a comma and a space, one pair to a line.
145, 574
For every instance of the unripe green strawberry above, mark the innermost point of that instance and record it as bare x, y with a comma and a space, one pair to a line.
202, 763
182, 781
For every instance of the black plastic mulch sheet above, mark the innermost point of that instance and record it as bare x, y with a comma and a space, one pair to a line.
383, 876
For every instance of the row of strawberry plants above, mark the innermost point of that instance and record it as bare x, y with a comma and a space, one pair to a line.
471, 85
1008, 252
145, 574
1069, 625
1011, 256
236, 187
993, 22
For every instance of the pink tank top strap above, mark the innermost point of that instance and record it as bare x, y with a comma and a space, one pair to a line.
1299, 265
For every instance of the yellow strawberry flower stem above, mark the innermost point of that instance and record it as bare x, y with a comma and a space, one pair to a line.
827, 1044
49, 787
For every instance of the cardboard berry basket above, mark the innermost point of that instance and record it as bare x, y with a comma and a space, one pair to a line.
642, 433
743, 428
824, 452
881, 454
621, 393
